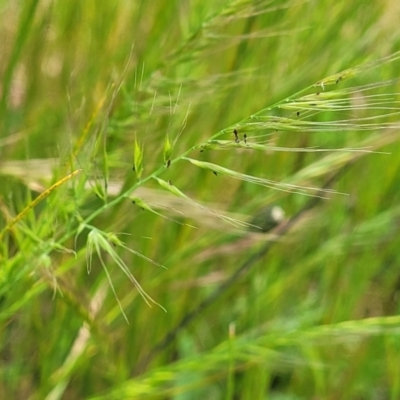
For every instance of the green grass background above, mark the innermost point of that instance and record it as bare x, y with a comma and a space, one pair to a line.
83, 84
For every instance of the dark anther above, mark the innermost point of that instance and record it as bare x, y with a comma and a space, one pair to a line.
236, 136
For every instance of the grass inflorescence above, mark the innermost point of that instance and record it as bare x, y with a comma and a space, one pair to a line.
139, 140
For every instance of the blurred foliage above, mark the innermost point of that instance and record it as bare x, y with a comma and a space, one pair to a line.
123, 183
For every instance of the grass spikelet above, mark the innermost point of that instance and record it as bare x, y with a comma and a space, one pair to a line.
167, 151
98, 242
138, 159
355, 71
173, 189
145, 206
284, 187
